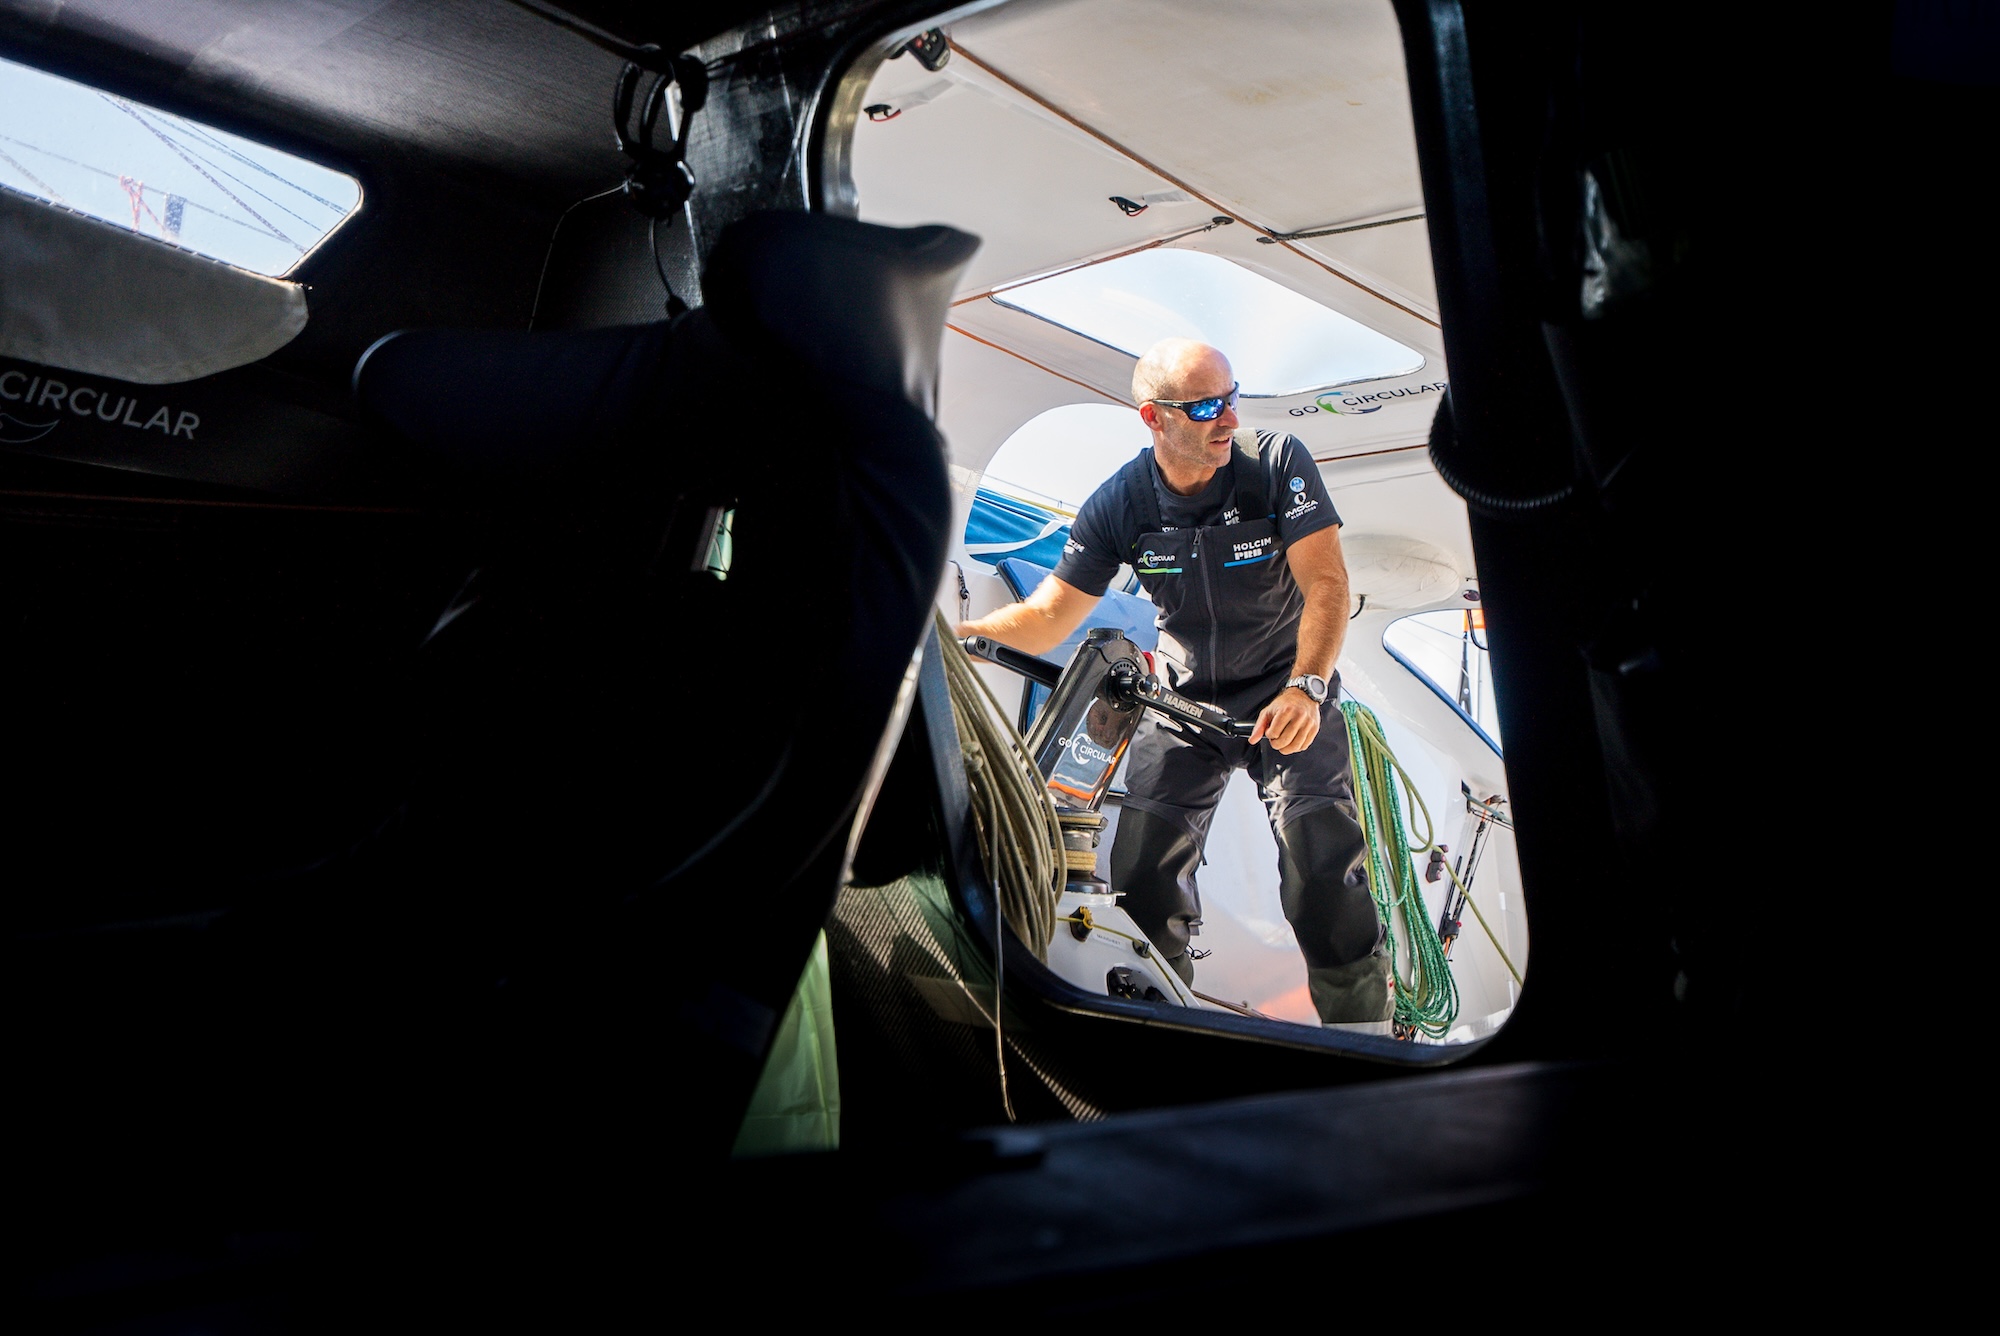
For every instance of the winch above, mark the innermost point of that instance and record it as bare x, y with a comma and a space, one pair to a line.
1081, 735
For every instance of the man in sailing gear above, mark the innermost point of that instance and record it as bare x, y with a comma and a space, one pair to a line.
1235, 538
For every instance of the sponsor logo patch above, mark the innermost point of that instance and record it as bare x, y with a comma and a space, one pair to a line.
1354, 403
47, 398
1083, 749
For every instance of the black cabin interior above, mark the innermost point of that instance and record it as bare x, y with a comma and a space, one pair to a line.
284, 1057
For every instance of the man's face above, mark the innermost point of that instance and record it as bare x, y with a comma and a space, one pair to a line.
1190, 444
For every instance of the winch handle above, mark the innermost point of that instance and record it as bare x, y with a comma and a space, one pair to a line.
1149, 691
1027, 665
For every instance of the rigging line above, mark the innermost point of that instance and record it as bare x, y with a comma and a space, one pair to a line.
1240, 1008
237, 179
179, 148
218, 215
199, 133
1164, 175
1339, 229
190, 154
1085, 264
46, 188
127, 109
1036, 365
1465, 894
59, 157
113, 176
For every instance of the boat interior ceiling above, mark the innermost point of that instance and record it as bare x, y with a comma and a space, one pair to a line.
1048, 112
510, 510
1036, 125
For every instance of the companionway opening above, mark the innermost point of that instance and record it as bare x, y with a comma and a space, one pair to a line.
1260, 194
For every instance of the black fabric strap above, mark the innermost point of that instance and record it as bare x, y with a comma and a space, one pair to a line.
1146, 499
1253, 480
1251, 490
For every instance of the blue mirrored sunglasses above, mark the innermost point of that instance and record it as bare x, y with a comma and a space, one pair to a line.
1203, 410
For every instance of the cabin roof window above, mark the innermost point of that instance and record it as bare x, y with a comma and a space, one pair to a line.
164, 176
1447, 650
1279, 342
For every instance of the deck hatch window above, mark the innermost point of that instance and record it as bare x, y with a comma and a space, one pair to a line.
164, 176
1279, 342
1448, 652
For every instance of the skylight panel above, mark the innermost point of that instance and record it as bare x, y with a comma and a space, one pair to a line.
1279, 342
164, 176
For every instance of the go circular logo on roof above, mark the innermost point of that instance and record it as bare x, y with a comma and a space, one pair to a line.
1353, 403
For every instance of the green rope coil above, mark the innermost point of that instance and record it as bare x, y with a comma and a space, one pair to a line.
1426, 994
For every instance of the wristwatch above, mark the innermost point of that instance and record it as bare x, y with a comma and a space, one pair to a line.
1312, 684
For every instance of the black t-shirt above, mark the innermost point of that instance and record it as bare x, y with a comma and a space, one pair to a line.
1110, 521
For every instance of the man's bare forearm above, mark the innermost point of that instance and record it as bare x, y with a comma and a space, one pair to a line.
1039, 622
1018, 624
1322, 628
